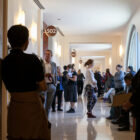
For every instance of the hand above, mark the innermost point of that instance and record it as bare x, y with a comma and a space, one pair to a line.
47, 75
127, 106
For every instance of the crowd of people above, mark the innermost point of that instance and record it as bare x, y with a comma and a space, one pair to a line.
35, 84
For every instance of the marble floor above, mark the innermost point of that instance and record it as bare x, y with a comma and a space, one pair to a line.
78, 127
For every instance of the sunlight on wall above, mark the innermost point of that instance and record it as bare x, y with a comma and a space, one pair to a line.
33, 32
20, 18
59, 50
73, 60
110, 61
80, 66
121, 51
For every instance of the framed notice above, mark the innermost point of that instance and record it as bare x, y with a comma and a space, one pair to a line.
120, 99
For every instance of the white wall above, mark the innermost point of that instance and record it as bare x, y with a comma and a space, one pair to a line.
103, 63
56, 44
32, 14
114, 40
136, 21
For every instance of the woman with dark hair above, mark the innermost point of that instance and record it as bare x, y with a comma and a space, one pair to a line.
90, 85
24, 79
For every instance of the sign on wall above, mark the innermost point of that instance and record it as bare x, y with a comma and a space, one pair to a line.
50, 31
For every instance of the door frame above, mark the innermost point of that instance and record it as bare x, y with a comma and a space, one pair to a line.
5, 51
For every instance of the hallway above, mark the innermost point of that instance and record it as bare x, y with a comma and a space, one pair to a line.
78, 127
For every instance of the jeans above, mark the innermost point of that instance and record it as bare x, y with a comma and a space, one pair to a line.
58, 94
49, 95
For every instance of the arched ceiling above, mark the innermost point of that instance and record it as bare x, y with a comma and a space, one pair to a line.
89, 16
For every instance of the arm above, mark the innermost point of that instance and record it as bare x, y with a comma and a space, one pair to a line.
39, 74
42, 85
91, 78
55, 74
83, 76
74, 78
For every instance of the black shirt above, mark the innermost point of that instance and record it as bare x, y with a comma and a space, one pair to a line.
64, 78
80, 77
70, 82
21, 72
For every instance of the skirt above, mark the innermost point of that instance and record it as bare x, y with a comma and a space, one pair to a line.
72, 93
27, 119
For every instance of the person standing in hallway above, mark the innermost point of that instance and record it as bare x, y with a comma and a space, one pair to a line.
51, 80
72, 88
90, 85
119, 79
80, 82
23, 77
134, 103
65, 83
59, 91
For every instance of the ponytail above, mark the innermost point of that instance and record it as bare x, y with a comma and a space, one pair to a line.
89, 61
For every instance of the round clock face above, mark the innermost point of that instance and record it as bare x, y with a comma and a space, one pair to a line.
51, 31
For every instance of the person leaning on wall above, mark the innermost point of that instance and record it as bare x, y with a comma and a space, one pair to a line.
24, 79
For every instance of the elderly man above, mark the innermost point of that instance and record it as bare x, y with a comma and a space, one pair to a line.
51, 79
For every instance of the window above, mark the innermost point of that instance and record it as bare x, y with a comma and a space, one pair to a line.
133, 49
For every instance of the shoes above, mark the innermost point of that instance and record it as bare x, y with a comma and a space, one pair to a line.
71, 111
90, 115
123, 124
125, 128
60, 109
116, 121
109, 118
53, 110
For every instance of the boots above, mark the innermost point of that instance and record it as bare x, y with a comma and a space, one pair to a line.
90, 115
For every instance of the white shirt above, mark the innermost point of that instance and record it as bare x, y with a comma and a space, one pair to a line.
90, 79
48, 69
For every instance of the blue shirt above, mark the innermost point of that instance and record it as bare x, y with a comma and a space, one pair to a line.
119, 79
59, 86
